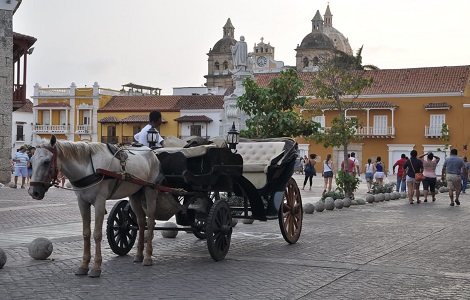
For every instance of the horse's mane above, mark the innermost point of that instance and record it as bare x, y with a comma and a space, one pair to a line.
78, 151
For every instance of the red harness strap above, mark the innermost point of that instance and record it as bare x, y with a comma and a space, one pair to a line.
130, 178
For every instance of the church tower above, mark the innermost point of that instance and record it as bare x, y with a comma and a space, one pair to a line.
339, 40
315, 47
220, 59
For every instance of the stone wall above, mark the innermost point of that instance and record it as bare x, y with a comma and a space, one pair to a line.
6, 92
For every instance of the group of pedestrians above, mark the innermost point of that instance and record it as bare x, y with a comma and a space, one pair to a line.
309, 170
375, 170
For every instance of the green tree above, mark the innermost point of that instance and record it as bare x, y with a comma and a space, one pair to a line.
272, 110
344, 60
337, 86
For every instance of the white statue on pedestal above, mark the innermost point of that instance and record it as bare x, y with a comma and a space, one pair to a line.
240, 54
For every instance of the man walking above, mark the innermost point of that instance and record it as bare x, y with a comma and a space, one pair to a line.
21, 160
357, 169
451, 170
400, 180
464, 176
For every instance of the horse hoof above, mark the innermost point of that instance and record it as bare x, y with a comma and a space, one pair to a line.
94, 273
138, 258
147, 262
82, 271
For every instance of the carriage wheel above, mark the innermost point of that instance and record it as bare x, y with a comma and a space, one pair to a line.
290, 213
219, 230
121, 237
197, 230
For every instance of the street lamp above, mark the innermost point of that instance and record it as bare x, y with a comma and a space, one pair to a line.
152, 137
232, 138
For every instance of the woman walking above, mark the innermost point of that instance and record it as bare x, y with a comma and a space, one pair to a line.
327, 173
309, 170
429, 172
411, 167
369, 170
380, 171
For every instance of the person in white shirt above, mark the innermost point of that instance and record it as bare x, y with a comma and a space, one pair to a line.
155, 120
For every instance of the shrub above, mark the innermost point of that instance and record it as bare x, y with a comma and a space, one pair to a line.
336, 194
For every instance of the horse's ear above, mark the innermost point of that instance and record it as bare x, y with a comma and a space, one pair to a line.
53, 140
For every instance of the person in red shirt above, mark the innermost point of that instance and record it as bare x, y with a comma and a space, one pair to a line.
400, 180
351, 166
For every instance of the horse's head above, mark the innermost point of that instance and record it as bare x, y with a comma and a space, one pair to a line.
44, 163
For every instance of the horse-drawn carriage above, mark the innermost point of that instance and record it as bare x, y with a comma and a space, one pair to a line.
205, 186
195, 184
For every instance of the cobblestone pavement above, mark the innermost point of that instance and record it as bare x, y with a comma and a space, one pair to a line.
387, 250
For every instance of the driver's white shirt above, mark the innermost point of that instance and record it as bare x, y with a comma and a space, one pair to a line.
141, 137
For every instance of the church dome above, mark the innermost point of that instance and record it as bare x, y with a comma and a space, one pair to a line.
316, 40
223, 45
341, 43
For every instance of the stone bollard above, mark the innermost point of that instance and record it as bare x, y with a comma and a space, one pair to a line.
248, 221
319, 206
329, 203
403, 195
347, 202
339, 203
387, 197
370, 198
309, 208
169, 234
40, 248
361, 201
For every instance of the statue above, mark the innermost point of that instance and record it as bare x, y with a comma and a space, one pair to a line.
250, 62
240, 54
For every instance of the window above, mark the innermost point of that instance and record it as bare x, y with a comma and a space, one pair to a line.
380, 125
217, 65
305, 62
316, 61
136, 129
62, 117
19, 133
195, 130
225, 65
435, 124
321, 120
86, 118
46, 118
111, 131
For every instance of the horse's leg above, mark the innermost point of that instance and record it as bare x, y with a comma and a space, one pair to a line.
150, 198
86, 220
100, 206
136, 204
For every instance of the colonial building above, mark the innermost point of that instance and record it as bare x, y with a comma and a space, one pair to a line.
69, 113
22, 126
404, 109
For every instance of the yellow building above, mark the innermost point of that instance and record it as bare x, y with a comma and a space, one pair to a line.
183, 115
404, 109
69, 113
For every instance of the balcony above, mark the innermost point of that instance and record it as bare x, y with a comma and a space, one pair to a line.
20, 138
110, 139
84, 129
371, 132
433, 131
51, 128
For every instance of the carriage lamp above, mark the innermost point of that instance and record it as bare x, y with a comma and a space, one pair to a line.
152, 137
232, 138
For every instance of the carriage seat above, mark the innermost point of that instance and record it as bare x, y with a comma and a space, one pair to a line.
257, 156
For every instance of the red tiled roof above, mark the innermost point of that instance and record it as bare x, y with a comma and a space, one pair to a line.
204, 119
200, 102
138, 119
355, 104
27, 107
438, 105
398, 81
53, 104
140, 103
162, 103
109, 119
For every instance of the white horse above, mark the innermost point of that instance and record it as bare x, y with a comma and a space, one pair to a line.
78, 161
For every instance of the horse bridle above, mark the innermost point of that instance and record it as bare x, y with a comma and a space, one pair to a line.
51, 177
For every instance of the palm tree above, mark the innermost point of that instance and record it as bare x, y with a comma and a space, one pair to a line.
352, 62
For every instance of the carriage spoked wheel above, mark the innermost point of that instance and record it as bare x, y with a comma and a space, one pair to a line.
290, 213
121, 228
219, 230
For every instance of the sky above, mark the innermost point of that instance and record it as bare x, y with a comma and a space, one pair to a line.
165, 43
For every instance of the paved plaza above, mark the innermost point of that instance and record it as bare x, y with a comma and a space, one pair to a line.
387, 250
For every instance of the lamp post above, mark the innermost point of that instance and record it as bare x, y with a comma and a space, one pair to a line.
232, 138
152, 137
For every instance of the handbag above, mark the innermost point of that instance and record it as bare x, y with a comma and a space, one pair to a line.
418, 176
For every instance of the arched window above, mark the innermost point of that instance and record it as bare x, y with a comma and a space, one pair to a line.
305, 62
316, 61
216, 66
225, 65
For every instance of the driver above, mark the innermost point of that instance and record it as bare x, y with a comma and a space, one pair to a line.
155, 120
